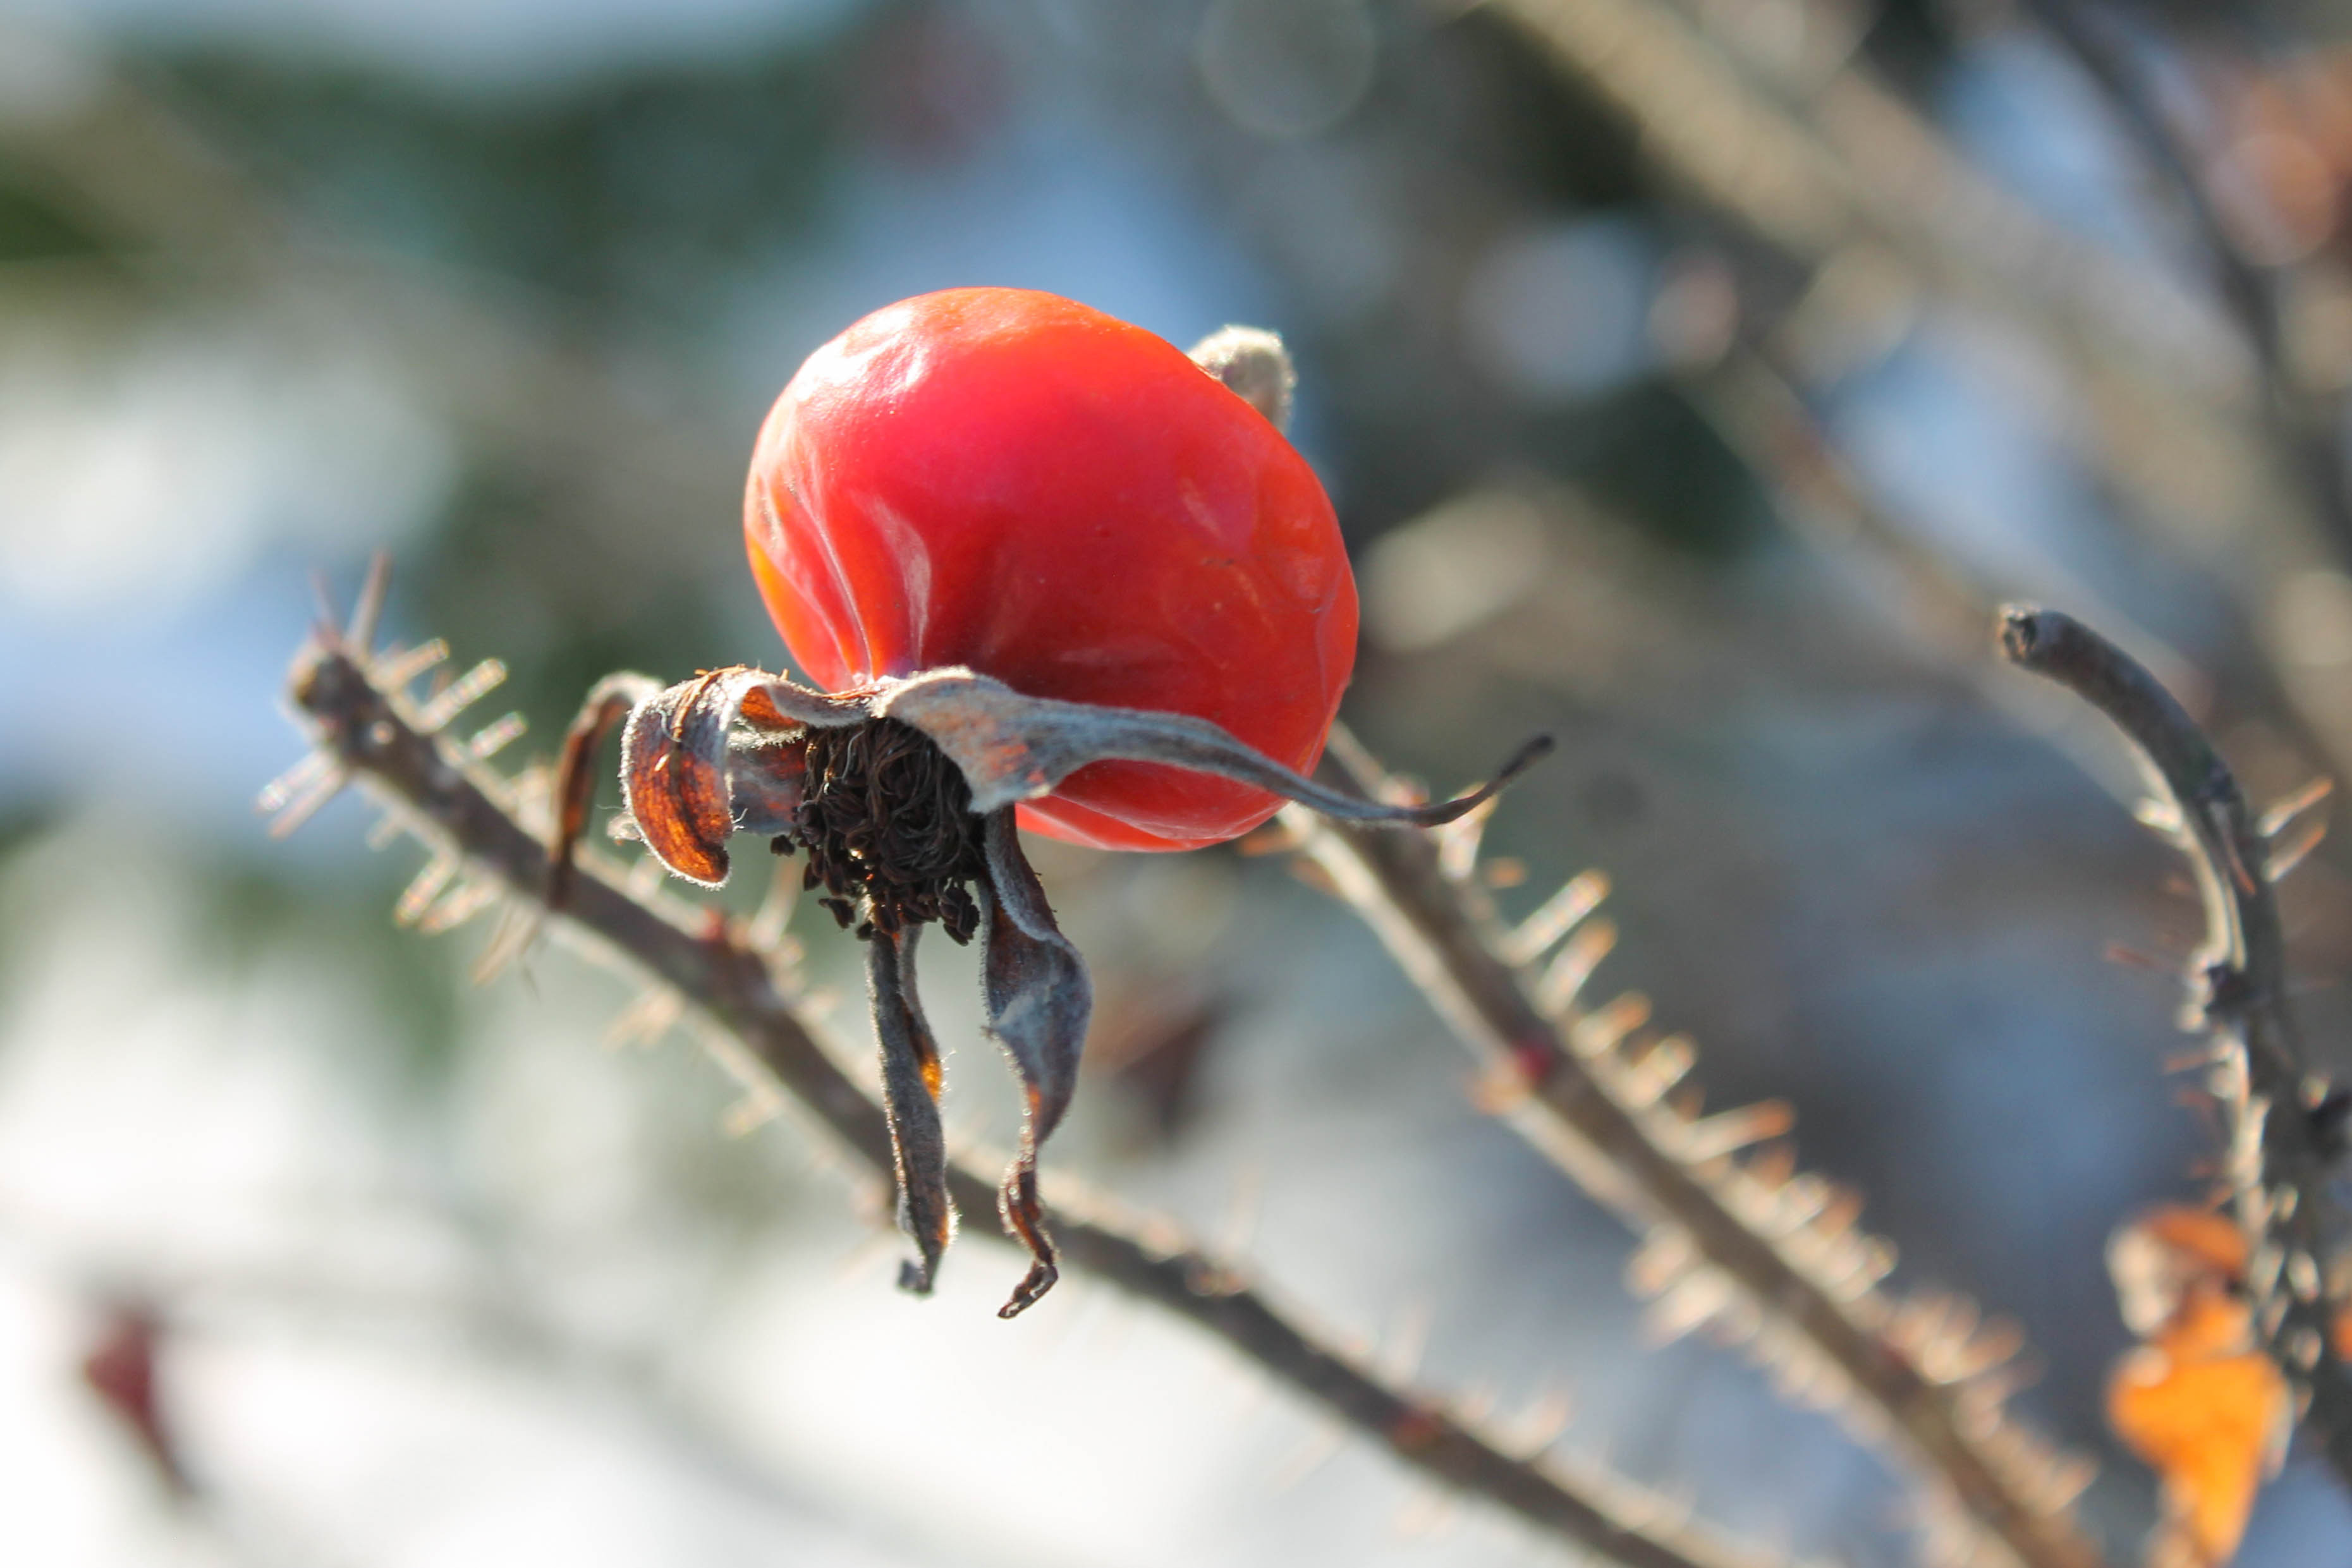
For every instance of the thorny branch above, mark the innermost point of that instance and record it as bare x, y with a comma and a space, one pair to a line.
364, 729
2285, 1133
1767, 1255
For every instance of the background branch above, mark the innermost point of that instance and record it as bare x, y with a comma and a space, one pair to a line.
1770, 1257
2280, 1153
373, 734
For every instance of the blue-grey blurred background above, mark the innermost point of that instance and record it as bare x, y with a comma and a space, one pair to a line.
1692, 377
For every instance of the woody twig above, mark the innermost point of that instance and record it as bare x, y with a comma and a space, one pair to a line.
2285, 1131
351, 703
1733, 1235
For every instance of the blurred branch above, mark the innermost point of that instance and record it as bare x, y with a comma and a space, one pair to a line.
364, 729
2285, 1137
1857, 167
2251, 292
1767, 1255
1919, 593
1840, 177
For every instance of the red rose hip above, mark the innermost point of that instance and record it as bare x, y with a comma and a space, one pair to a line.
1019, 484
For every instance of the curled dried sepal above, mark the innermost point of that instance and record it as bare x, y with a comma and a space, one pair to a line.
1038, 999
700, 761
609, 701
1013, 748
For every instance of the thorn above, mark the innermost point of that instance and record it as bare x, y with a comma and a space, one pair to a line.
306, 804
460, 694
1314, 876
1504, 871
322, 602
1699, 1295
1662, 1259
518, 928
2192, 1058
1599, 1033
1458, 842
1874, 1259
495, 736
762, 1100
368, 609
1998, 1343
1772, 1166
1728, 1132
1274, 838
1648, 1080
1802, 1198
470, 899
1398, 1358
1840, 1210
765, 934
1571, 967
2288, 852
394, 671
423, 889
1555, 917
1542, 1424
274, 795
2066, 1478
1500, 1092
644, 1020
2294, 806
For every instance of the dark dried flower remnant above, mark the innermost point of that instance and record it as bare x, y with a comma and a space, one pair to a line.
886, 821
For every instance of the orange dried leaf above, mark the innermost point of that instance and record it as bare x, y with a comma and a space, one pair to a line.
2209, 1413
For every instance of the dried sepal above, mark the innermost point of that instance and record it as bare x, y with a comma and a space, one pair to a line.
910, 1096
700, 761
1013, 748
1039, 999
608, 702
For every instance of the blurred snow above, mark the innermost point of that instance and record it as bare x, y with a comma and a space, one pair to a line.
148, 474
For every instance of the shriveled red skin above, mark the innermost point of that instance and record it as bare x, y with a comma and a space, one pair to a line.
1018, 483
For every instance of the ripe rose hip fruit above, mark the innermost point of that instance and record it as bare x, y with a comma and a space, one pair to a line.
1015, 483
1040, 566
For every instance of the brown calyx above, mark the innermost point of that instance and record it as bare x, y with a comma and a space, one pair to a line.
886, 821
